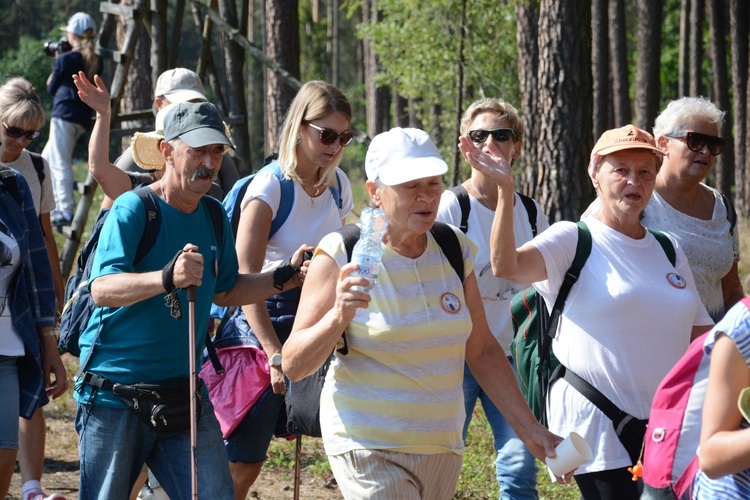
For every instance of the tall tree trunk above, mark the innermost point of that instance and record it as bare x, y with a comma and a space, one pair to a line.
282, 45
647, 90
137, 94
683, 83
399, 103
739, 20
234, 58
159, 48
376, 97
724, 165
255, 90
618, 55
527, 19
333, 39
459, 95
600, 65
564, 108
697, 14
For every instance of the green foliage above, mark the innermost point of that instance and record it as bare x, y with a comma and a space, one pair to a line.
418, 46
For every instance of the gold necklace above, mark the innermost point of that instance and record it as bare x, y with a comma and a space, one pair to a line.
484, 200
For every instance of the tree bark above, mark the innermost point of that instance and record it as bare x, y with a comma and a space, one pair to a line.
696, 47
376, 98
724, 165
647, 89
618, 54
683, 84
564, 108
234, 59
527, 19
137, 93
282, 46
739, 20
600, 65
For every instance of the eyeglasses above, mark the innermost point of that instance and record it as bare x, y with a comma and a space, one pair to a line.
328, 136
16, 132
696, 141
499, 135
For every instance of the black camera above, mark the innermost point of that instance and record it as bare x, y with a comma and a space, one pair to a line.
60, 46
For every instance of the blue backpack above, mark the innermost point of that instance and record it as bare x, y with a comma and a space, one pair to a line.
78, 302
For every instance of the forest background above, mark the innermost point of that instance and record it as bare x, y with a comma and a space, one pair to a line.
573, 68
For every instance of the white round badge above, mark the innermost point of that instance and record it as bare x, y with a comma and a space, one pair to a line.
450, 303
676, 280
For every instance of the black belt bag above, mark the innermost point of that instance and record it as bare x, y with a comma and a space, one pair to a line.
162, 407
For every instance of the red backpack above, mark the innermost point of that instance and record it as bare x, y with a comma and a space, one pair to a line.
670, 459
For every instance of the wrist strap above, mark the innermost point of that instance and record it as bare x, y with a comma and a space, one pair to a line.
283, 273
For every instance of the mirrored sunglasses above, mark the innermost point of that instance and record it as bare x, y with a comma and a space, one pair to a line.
696, 141
16, 132
499, 135
328, 136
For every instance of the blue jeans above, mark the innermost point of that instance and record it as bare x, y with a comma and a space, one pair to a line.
515, 465
114, 444
9, 395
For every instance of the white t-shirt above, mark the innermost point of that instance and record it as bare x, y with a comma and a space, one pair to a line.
496, 292
44, 201
624, 325
309, 220
10, 263
708, 245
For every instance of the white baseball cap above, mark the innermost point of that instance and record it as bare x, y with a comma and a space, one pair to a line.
81, 24
401, 155
179, 85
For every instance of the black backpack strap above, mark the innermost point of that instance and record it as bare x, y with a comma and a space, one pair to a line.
530, 207
451, 247
666, 244
38, 162
11, 184
216, 211
462, 195
731, 213
153, 222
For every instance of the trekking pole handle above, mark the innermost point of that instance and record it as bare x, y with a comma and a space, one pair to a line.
192, 292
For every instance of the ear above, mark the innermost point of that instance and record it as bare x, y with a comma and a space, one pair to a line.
166, 150
662, 142
516, 152
372, 189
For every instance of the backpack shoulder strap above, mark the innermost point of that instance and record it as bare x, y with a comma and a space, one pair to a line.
336, 191
286, 200
462, 195
11, 184
583, 250
530, 207
216, 211
153, 222
451, 247
350, 234
38, 162
731, 212
666, 244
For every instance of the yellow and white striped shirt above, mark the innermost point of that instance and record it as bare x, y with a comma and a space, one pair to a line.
399, 386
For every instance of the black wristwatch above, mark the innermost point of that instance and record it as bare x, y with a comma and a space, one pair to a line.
283, 273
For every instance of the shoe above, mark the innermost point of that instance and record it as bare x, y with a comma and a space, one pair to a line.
40, 495
61, 218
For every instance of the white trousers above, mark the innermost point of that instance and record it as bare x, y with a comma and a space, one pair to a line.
58, 152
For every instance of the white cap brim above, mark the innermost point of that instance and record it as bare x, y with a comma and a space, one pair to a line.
412, 169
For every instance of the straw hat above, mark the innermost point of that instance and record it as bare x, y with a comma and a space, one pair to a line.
145, 145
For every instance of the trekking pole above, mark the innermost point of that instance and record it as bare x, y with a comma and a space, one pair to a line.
191, 294
297, 466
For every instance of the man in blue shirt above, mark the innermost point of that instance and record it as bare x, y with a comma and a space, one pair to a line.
133, 338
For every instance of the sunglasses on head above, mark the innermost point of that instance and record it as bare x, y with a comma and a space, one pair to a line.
499, 135
328, 136
696, 141
16, 132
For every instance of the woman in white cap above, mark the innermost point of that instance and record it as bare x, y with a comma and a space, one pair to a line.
628, 318
392, 408
70, 117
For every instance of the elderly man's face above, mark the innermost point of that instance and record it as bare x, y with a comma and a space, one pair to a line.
196, 167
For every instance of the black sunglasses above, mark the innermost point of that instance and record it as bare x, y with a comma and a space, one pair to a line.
696, 141
16, 132
328, 136
499, 135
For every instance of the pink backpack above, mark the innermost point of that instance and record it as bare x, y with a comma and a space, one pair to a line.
670, 459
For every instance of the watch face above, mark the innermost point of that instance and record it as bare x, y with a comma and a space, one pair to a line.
275, 360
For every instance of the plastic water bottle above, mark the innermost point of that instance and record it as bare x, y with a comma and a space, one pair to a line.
367, 252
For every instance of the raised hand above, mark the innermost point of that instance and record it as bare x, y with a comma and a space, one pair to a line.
94, 95
491, 162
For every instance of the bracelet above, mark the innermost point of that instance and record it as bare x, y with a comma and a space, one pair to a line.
50, 333
283, 273
167, 275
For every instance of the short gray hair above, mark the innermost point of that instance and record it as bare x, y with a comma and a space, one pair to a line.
679, 112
